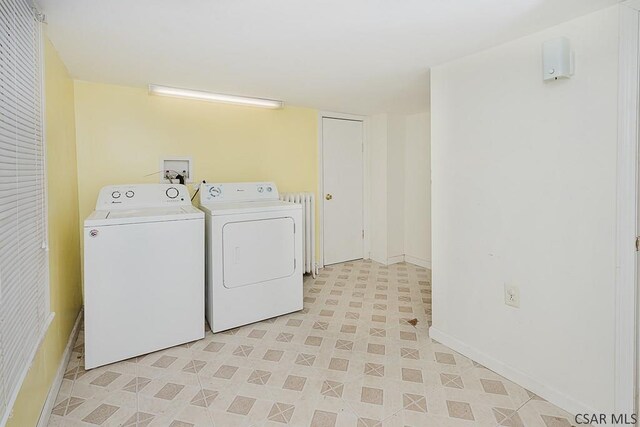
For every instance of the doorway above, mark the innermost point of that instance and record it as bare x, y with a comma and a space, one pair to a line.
627, 280
342, 189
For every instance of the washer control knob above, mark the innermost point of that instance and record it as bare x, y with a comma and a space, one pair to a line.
115, 194
260, 189
269, 189
129, 194
172, 192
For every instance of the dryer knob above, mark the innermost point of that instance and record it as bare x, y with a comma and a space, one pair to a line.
215, 191
115, 194
172, 192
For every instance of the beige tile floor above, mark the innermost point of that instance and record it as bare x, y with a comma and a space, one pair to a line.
350, 358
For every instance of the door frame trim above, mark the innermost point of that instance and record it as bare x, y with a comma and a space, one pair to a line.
366, 191
627, 193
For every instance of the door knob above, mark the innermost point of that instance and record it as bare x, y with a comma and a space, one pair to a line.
328, 197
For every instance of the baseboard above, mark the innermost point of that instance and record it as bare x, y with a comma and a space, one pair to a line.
57, 381
403, 258
377, 259
395, 259
552, 395
418, 261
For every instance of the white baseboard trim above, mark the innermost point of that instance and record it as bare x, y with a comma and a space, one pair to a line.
404, 258
552, 395
377, 259
418, 261
395, 259
57, 380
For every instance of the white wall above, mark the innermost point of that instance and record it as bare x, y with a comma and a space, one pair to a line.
524, 193
378, 184
417, 194
395, 187
400, 189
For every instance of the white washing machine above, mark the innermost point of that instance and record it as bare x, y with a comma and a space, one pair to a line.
253, 256
143, 272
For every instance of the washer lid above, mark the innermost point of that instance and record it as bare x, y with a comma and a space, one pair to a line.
231, 208
142, 215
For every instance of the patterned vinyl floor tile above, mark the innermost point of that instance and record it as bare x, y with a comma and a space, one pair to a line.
357, 355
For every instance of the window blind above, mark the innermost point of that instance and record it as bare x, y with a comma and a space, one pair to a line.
24, 294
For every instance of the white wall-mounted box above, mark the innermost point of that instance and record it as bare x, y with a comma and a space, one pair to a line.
170, 166
557, 59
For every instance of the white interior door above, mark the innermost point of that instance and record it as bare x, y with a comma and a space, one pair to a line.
342, 158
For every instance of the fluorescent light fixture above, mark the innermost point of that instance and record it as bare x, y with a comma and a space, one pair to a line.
213, 97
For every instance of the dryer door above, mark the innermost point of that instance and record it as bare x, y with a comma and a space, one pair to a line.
257, 251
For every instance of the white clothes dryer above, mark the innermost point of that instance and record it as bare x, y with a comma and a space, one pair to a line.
253, 254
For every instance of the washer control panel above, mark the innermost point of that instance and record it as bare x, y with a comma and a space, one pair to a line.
142, 196
238, 192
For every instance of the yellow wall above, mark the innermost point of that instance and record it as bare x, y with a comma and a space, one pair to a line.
122, 133
64, 243
118, 135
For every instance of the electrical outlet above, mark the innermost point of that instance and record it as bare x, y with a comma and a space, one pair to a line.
512, 296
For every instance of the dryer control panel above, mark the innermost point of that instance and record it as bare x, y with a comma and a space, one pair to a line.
135, 196
238, 192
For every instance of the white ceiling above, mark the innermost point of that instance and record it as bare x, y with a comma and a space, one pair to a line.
355, 56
